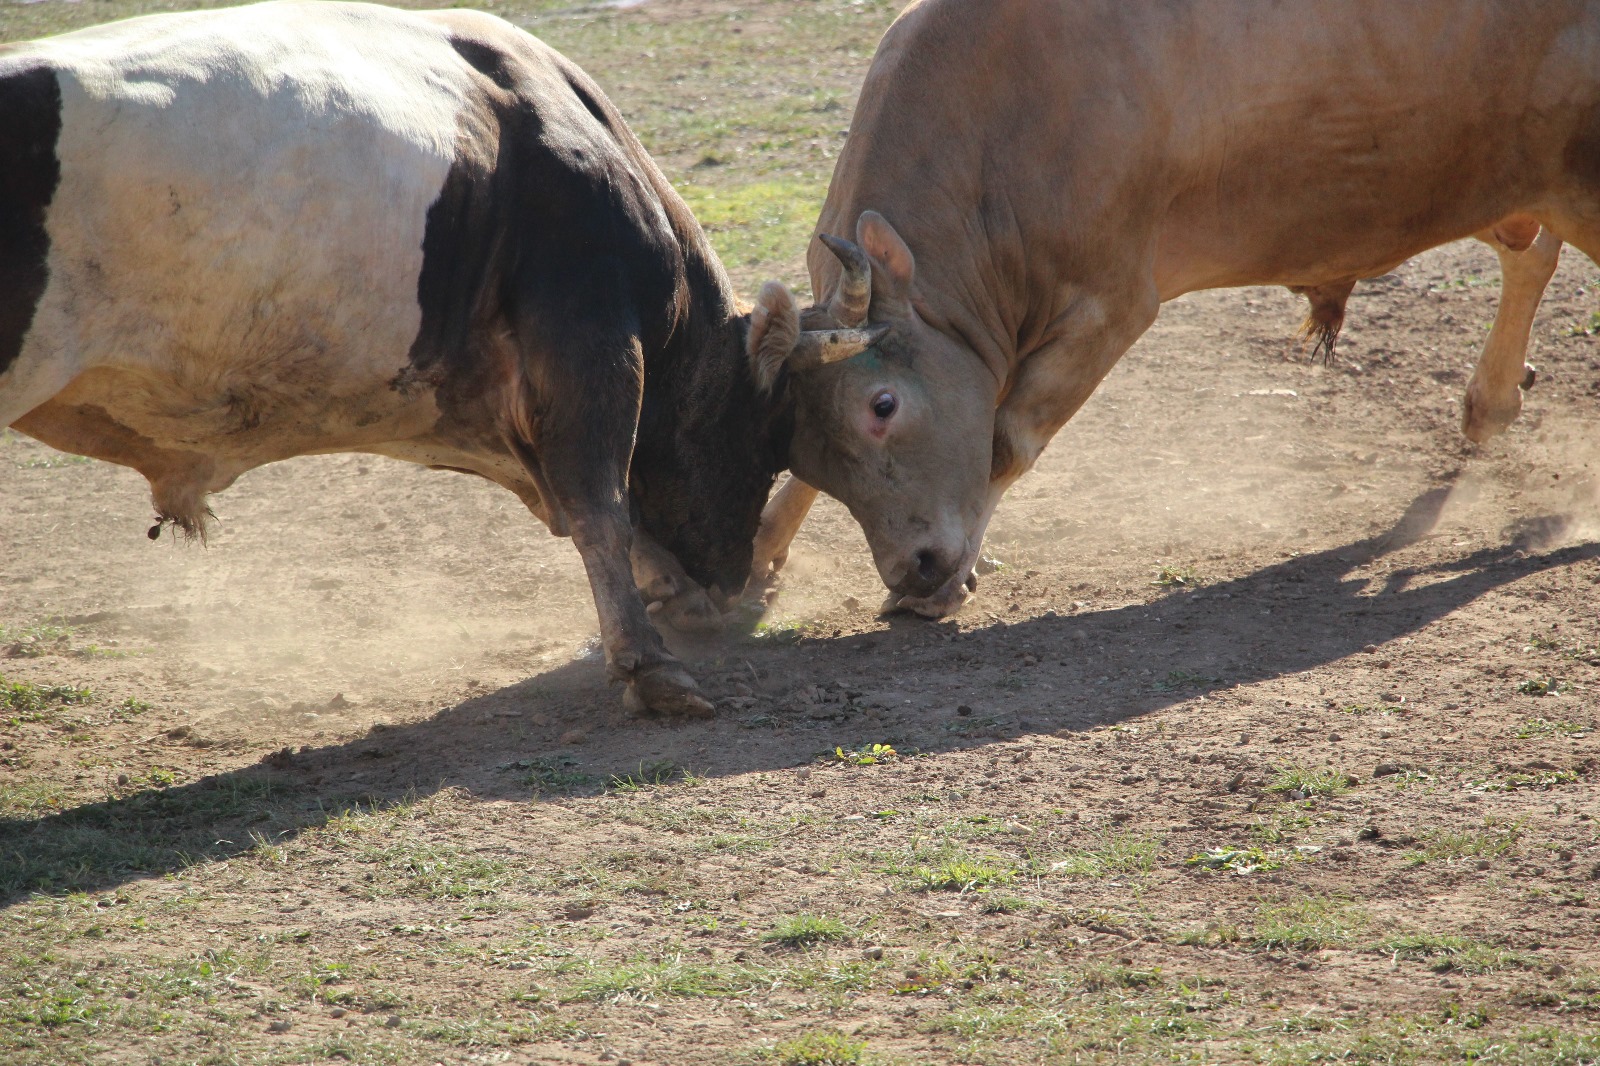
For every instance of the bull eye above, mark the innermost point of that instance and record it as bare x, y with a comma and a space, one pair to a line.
884, 405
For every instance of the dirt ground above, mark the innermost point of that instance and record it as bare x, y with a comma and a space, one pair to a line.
1272, 739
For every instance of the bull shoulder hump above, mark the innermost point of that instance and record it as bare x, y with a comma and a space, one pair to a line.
30, 171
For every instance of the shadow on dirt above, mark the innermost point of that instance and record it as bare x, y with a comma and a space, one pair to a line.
519, 742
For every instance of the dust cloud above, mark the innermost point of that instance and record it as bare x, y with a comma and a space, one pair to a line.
365, 579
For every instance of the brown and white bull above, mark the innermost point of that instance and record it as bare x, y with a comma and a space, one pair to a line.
1028, 180
228, 238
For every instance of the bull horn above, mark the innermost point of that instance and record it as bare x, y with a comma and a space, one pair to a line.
852, 296
823, 346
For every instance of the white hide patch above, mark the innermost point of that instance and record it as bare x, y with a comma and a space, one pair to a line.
237, 235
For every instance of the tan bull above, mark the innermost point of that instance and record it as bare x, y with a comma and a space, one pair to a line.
1028, 180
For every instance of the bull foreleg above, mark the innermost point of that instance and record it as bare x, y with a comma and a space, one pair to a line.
671, 594
635, 653
578, 451
781, 519
1527, 262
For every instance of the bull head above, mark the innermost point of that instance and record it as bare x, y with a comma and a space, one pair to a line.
902, 435
778, 338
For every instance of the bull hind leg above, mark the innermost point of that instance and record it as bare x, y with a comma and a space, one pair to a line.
578, 451
1528, 258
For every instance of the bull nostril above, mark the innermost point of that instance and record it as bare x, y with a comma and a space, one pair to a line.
927, 565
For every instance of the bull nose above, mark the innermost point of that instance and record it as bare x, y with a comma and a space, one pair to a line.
927, 571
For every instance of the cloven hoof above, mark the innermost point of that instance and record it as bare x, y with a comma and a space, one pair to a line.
690, 611
666, 688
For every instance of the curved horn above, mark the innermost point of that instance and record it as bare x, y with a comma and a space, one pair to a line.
823, 346
852, 296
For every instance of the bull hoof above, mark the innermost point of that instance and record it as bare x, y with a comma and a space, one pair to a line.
690, 611
666, 688
1482, 418
763, 586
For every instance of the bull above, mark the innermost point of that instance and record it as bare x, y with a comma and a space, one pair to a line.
1027, 181
229, 238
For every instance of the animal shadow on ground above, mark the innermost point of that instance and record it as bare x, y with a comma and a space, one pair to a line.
1273, 622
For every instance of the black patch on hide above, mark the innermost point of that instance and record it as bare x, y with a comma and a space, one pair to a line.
30, 126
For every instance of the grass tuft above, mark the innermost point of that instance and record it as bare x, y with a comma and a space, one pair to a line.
1309, 781
1451, 953
641, 981
1115, 853
34, 701
817, 1049
1308, 924
1493, 840
962, 875
806, 930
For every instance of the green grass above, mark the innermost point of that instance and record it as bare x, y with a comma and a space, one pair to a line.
1095, 1020
1307, 924
436, 871
1281, 826
1450, 953
1177, 577
648, 776
59, 848
36, 639
1493, 840
1539, 728
31, 797
1000, 904
961, 875
830, 1048
1363, 709
1212, 934
780, 632
130, 708
758, 223
33, 701
1543, 686
807, 930
1309, 781
1111, 976
554, 774
1112, 854
644, 980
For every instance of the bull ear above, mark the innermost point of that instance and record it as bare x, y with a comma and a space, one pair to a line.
820, 347
894, 265
774, 331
